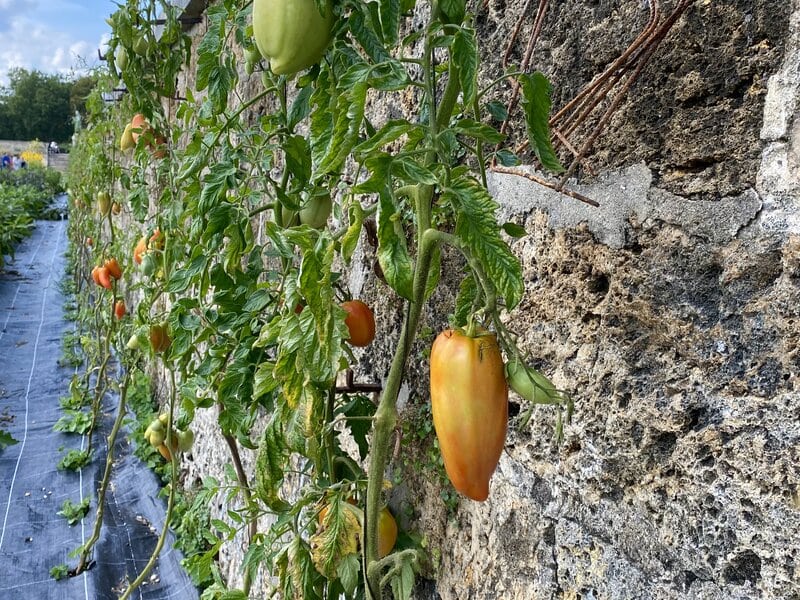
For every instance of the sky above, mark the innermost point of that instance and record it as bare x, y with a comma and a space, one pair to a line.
52, 36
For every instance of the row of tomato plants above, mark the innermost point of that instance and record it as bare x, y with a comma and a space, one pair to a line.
221, 228
25, 195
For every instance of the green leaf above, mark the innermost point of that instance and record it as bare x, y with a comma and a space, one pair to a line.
390, 20
378, 182
467, 293
465, 58
301, 107
387, 134
264, 382
412, 172
298, 158
353, 233
507, 158
182, 278
392, 249
272, 457
454, 10
514, 230
6, 440
348, 571
536, 92
213, 70
349, 116
358, 412
403, 583
257, 300
74, 421
74, 512
479, 131
365, 35
498, 110
215, 185
139, 201
476, 226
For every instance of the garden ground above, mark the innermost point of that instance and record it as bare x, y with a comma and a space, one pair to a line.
33, 537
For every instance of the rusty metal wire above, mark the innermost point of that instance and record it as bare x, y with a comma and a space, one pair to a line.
608, 89
614, 83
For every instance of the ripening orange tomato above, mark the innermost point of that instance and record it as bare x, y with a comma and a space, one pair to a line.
119, 309
469, 403
104, 277
113, 268
139, 249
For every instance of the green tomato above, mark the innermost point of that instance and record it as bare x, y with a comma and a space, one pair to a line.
122, 58
148, 265
530, 384
133, 343
140, 46
316, 211
252, 54
185, 440
289, 217
292, 34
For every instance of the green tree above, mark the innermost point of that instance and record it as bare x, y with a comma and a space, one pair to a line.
35, 106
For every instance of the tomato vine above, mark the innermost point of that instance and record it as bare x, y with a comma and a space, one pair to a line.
243, 203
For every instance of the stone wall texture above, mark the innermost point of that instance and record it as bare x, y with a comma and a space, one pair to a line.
671, 314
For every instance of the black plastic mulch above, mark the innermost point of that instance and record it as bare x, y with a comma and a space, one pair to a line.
33, 538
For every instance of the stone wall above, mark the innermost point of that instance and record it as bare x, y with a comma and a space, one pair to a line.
671, 313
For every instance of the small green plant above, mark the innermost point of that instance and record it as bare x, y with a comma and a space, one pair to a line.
74, 460
74, 512
59, 572
6, 440
78, 396
75, 421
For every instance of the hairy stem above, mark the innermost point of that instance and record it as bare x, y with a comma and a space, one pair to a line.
101, 493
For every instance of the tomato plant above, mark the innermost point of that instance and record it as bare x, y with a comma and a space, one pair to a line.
360, 323
469, 403
264, 200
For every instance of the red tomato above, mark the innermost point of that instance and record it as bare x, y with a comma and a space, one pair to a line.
360, 322
113, 268
119, 309
104, 277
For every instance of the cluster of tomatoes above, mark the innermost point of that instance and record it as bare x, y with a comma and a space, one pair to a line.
104, 275
156, 436
139, 126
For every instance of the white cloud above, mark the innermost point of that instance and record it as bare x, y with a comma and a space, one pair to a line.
32, 45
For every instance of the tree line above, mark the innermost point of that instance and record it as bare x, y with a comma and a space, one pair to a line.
40, 106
